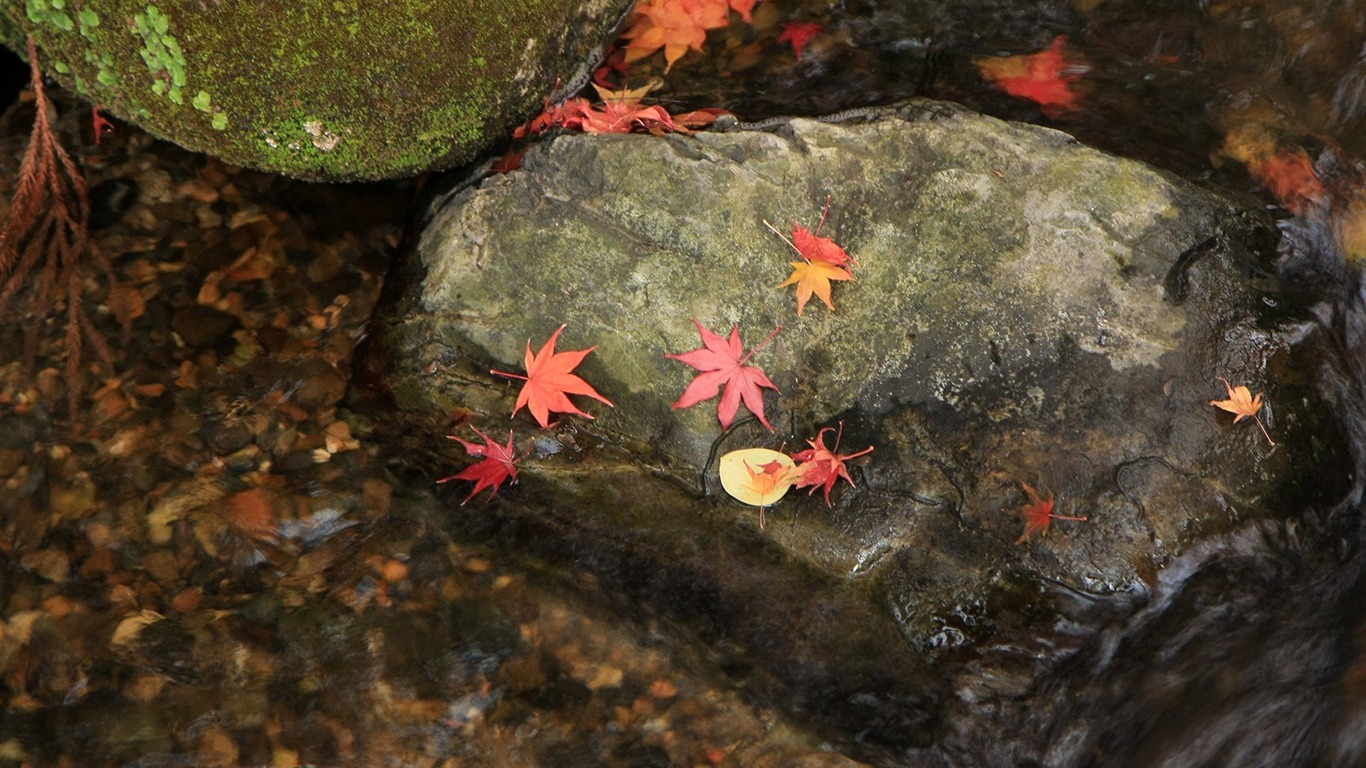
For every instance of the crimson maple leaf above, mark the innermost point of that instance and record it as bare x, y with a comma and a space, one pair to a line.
722, 361
499, 465
549, 381
1038, 513
799, 33
821, 466
824, 260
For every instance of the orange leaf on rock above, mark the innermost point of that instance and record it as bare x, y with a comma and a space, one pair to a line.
498, 466
549, 381
813, 277
1044, 78
824, 261
1038, 513
1242, 404
722, 361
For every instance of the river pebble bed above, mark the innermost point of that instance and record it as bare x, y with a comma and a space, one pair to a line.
212, 565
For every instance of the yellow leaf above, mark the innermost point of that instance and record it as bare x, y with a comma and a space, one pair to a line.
757, 476
814, 277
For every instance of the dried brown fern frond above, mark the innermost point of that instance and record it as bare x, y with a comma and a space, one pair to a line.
47, 230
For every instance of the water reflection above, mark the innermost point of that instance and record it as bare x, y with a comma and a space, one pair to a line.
325, 625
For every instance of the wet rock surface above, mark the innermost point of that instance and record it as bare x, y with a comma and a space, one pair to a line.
1025, 310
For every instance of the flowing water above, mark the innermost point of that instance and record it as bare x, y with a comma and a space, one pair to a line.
1249, 650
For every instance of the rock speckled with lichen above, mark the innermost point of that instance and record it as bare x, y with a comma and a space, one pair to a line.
1025, 310
329, 91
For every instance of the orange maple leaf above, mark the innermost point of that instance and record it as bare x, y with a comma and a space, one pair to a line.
813, 277
674, 25
1038, 513
772, 480
1242, 404
824, 261
549, 381
498, 466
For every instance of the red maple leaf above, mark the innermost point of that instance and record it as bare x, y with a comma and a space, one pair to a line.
499, 465
821, 466
813, 247
1044, 77
549, 381
799, 33
101, 123
510, 161
722, 361
1038, 513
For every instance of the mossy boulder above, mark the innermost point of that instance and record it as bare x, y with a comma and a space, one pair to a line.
1025, 310
316, 89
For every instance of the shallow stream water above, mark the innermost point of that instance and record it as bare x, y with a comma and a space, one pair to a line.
376, 622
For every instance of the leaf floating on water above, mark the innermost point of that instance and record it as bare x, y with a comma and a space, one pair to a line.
1242, 403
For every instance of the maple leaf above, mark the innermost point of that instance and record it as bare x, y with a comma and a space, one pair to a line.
549, 381
821, 466
824, 261
674, 25
1044, 77
799, 33
1038, 513
814, 277
499, 465
1242, 404
101, 123
510, 161
722, 361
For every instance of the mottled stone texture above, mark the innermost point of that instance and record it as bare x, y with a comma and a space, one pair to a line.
316, 89
1026, 310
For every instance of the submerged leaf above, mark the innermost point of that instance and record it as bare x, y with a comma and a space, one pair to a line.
1242, 404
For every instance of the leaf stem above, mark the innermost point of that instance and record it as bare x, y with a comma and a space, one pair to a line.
824, 211
760, 345
1258, 419
510, 375
785, 240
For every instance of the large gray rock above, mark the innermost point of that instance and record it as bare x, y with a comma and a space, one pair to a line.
1026, 310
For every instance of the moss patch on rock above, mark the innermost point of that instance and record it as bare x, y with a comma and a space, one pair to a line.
316, 90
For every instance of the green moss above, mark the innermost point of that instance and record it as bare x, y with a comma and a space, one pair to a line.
49, 12
161, 53
403, 87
